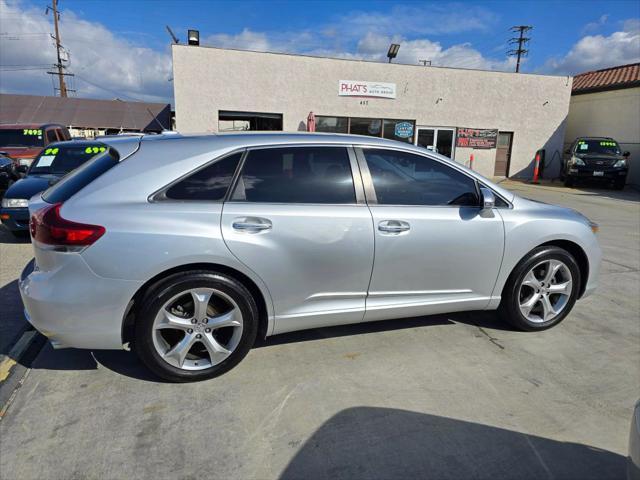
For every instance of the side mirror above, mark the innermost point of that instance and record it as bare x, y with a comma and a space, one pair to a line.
626, 154
22, 169
488, 198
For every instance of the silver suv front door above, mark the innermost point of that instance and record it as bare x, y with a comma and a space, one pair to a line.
435, 250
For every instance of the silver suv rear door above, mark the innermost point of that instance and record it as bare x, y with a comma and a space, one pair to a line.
298, 219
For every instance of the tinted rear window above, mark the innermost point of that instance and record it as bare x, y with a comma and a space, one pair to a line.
81, 177
209, 183
296, 175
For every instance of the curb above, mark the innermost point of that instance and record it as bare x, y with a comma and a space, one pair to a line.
12, 372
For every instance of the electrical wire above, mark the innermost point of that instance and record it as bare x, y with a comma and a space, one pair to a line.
119, 94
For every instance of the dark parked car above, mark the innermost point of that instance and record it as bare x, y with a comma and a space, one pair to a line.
24, 141
8, 172
596, 158
53, 163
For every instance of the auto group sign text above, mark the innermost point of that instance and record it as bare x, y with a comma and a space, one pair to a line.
357, 88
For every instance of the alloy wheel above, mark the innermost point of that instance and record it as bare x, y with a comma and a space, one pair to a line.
197, 329
545, 291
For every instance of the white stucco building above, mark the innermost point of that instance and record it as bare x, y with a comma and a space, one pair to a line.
606, 103
507, 116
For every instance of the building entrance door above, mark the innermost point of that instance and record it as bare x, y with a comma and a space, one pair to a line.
439, 140
503, 154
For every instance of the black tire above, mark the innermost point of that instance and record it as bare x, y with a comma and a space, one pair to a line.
161, 292
619, 184
509, 309
568, 181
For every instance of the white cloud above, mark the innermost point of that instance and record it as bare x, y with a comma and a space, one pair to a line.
594, 26
408, 20
593, 52
367, 35
105, 65
245, 40
374, 47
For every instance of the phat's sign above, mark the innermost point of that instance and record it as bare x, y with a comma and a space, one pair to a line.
356, 88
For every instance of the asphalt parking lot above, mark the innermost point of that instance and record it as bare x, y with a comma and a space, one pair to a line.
452, 396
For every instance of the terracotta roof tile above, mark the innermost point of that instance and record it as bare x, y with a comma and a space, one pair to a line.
623, 76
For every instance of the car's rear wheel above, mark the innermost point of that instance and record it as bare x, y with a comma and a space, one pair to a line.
541, 290
195, 326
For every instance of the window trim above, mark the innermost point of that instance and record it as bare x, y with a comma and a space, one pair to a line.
55, 135
358, 184
370, 192
160, 195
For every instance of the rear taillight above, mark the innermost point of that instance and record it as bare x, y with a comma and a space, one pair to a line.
49, 228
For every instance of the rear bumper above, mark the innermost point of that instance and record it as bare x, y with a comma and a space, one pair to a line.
15, 219
74, 307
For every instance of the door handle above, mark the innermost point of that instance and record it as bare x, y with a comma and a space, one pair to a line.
251, 224
393, 226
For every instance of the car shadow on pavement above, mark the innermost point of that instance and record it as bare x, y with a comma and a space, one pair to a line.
12, 321
481, 319
128, 364
7, 237
119, 361
383, 443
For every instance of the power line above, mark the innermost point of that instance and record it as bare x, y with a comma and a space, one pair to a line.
23, 69
106, 89
522, 41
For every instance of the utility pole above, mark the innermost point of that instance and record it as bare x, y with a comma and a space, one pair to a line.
522, 41
60, 67
173, 36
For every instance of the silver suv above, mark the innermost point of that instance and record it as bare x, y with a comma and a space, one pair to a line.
189, 248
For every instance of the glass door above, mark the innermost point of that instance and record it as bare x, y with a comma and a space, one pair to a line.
439, 140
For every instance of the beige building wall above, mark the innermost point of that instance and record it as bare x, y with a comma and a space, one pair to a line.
534, 107
616, 114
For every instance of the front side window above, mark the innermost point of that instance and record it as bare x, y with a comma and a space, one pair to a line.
207, 184
401, 178
296, 175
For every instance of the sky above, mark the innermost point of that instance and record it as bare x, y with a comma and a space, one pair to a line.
121, 49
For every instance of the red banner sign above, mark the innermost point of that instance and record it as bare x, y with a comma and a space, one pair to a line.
477, 138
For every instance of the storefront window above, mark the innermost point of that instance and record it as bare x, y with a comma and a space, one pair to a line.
332, 124
366, 126
232, 121
400, 130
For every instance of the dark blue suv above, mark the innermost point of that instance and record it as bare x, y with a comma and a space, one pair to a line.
55, 161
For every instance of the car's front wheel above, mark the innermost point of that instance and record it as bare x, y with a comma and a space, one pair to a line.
195, 325
541, 290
